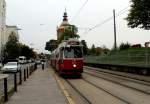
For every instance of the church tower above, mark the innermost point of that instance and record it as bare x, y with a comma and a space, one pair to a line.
65, 26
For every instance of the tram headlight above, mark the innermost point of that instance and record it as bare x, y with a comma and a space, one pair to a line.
74, 65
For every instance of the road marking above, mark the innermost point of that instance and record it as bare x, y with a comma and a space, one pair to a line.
64, 90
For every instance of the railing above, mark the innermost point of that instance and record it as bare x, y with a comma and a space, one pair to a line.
13, 80
4, 78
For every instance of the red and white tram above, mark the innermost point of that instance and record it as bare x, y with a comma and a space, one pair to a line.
68, 57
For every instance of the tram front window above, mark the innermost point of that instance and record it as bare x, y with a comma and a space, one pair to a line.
73, 52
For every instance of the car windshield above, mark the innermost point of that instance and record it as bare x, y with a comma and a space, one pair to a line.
11, 63
73, 52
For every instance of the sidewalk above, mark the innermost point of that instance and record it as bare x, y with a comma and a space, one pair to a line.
40, 88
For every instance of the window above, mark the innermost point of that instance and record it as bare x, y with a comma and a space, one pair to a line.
61, 53
73, 52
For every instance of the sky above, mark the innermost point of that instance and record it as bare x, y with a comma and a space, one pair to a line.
38, 20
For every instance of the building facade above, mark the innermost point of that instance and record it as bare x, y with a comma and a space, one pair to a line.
2, 24
5, 30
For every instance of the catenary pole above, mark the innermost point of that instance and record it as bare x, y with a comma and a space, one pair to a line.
115, 43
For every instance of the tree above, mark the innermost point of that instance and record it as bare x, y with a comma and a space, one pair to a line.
26, 51
124, 46
92, 50
85, 48
12, 47
51, 45
98, 51
139, 15
105, 49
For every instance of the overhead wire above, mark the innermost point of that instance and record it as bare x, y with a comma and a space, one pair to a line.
80, 9
108, 19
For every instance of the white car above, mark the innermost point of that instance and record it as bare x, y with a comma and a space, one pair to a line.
11, 67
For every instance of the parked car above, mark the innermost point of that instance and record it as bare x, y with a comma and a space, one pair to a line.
1, 65
38, 62
11, 67
22, 60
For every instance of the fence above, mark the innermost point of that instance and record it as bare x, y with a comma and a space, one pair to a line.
16, 78
131, 57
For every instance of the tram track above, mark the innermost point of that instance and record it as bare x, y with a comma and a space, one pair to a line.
93, 89
70, 91
121, 74
141, 84
119, 83
124, 101
124, 78
79, 92
124, 93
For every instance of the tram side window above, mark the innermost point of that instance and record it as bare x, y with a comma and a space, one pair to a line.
57, 55
61, 53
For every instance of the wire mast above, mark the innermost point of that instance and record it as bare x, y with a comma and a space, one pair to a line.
115, 43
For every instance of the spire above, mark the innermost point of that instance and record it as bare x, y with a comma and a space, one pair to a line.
65, 16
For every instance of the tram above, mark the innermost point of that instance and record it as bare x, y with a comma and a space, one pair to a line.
68, 57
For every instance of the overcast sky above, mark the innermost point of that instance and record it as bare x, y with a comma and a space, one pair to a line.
38, 20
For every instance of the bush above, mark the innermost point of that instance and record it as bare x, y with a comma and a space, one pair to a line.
124, 46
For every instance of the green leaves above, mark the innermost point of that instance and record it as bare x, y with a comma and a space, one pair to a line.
51, 45
85, 48
139, 16
12, 47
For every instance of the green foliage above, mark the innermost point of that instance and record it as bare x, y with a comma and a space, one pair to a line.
11, 48
105, 50
14, 49
51, 45
85, 48
26, 51
124, 46
139, 15
98, 50
92, 51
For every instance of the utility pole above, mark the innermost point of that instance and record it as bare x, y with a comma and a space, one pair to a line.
115, 43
